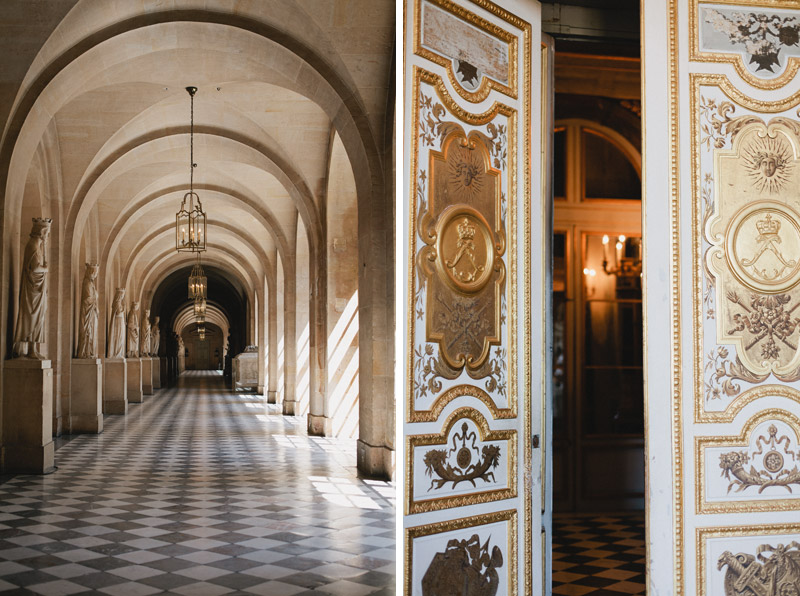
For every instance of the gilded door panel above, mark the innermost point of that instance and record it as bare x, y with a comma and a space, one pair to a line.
472, 497
730, 264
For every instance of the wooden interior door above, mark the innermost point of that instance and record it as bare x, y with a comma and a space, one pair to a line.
722, 277
475, 246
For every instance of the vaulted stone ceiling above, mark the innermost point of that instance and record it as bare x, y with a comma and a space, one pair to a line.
96, 115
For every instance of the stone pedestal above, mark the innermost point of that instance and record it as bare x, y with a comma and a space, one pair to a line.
147, 375
115, 386
156, 372
320, 426
291, 407
86, 403
272, 397
134, 381
244, 370
374, 462
28, 416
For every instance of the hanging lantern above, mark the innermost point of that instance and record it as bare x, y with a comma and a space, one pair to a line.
190, 221
199, 307
201, 331
198, 284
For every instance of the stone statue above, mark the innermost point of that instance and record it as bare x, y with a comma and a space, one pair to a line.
133, 331
90, 315
156, 336
116, 333
146, 335
29, 331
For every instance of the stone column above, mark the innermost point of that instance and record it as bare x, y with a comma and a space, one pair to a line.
156, 372
147, 375
289, 345
115, 386
272, 339
86, 405
134, 372
28, 416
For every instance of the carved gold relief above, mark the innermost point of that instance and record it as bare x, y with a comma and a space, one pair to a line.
754, 238
459, 455
759, 39
754, 252
758, 469
464, 232
462, 302
766, 563
772, 571
478, 556
478, 55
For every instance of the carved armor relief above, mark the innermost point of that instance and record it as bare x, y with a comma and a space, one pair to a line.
467, 230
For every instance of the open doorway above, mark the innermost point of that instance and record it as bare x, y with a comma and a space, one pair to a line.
598, 387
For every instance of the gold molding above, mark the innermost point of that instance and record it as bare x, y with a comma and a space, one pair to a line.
742, 440
735, 58
487, 84
412, 413
509, 516
675, 295
704, 534
479, 496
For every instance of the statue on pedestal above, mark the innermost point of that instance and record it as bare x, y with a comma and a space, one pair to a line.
116, 332
133, 331
146, 335
90, 315
29, 330
156, 337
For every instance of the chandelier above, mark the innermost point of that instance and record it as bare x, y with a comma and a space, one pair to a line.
190, 221
198, 283
625, 261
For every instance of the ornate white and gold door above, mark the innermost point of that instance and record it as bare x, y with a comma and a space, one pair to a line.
475, 236
722, 278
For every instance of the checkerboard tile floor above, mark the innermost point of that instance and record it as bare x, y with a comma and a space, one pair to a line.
199, 491
598, 554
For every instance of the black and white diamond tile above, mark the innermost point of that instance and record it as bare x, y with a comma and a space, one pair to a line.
199, 491
599, 554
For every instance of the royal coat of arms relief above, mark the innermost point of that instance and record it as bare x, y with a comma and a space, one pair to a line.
754, 252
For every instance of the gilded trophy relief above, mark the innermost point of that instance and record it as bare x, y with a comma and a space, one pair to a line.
460, 292
749, 561
756, 471
466, 464
762, 43
749, 213
474, 555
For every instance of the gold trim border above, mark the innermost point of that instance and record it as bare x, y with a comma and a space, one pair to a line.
432, 414
479, 496
509, 516
675, 295
742, 440
735, 58
721, 82
487, 84
704, 534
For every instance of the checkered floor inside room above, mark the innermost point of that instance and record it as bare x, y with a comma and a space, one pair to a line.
599, 554
199, 491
